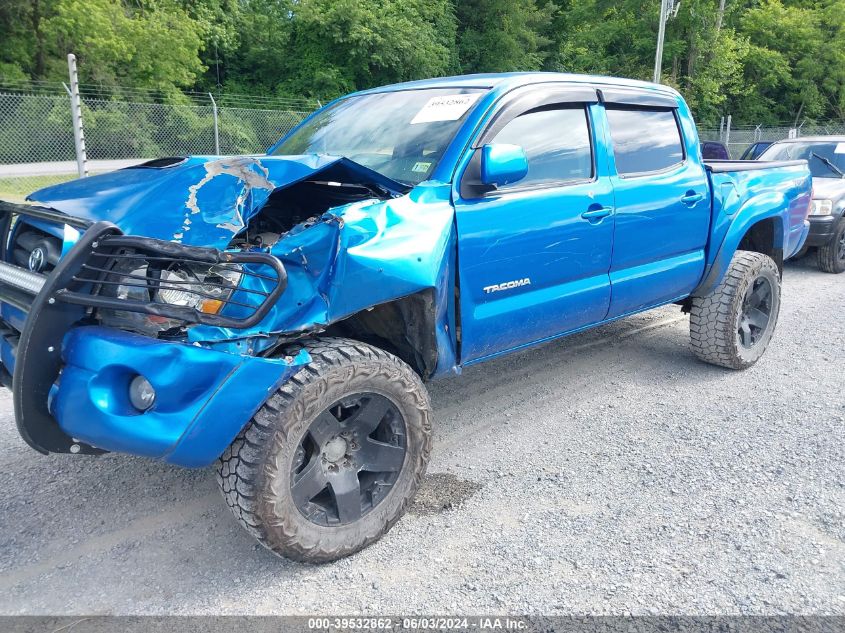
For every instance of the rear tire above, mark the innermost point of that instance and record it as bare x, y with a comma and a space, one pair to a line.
831, 256
333, 459
732, 326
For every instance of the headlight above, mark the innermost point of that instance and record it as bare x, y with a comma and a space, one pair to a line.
205, 288
821, 207
201, 288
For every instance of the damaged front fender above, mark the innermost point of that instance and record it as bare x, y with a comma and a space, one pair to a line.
360, 256
391, 243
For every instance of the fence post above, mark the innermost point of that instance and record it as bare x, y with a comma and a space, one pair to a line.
722, 130
728, 132
76, 115
216, 129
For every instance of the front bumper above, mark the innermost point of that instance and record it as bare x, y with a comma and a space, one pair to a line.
69, 375
822, 229
203, 397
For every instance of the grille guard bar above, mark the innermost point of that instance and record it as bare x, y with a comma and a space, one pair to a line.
108, 245
77, 289
63, 301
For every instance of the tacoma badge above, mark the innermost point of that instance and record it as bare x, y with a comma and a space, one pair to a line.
507, 285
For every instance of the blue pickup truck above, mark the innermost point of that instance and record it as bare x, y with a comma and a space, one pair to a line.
278, 315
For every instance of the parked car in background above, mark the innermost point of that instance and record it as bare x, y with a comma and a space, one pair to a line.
713, 150
278, 315
826, 157
753, 151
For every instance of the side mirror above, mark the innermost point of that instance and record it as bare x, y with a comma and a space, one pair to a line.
502, 164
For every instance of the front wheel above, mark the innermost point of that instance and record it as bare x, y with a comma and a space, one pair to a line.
831, 256
732, 326
334, 457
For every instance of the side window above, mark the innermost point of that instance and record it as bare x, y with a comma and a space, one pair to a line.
644, 139
557, 143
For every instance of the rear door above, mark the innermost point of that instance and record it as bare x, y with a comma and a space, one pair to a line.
662, 203
534, 256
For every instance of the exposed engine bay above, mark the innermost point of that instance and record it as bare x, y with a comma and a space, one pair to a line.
303, 203
207, 289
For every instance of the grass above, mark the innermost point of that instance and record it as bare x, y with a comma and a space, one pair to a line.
15, 189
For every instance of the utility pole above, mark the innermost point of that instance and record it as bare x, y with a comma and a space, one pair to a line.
668, 8
661, 33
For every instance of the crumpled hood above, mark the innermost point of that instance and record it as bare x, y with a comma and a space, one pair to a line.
828, 188
199, 200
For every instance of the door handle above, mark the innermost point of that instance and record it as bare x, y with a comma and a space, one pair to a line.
692, 198
594, 215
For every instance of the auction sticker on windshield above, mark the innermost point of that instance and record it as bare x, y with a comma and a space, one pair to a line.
445, 108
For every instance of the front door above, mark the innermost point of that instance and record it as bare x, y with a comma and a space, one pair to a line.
534, 256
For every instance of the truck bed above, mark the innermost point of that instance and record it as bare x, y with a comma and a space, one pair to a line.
722, 166
756, 188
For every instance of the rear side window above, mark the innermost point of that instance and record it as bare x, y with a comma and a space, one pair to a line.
556, 142
644, 140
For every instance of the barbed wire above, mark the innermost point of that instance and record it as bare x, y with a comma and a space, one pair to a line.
93, 91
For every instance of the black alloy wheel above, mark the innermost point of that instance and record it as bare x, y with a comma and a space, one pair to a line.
756, 313
348, 460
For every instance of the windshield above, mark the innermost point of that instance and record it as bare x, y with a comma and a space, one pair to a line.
824, 157
401, 135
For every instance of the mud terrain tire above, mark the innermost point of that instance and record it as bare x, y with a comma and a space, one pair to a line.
722, 330
258, 472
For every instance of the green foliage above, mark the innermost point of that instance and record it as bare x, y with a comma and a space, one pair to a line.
345, 44
605, 37
154, 46
501, 35
763, 61
795, 59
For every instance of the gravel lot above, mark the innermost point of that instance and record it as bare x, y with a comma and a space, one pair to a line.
609, 472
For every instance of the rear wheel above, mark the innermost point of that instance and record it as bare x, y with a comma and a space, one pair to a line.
831, 256
333, 459
732, 326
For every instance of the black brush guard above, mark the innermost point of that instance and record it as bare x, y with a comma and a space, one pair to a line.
69, 295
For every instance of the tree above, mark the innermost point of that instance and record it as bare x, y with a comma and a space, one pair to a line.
795, 60
605, 37
342, 45
763, 61
22, 54
501, 35
154, 44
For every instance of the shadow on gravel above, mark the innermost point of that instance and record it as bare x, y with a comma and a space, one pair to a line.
440, 492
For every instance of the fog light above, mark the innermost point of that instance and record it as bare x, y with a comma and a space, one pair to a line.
141, 393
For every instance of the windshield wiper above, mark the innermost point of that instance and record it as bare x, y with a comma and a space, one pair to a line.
830, 164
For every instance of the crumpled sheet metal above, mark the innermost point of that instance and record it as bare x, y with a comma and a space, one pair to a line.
201, 201
358, 256
355, 257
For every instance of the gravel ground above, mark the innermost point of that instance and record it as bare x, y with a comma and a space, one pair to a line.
606, 473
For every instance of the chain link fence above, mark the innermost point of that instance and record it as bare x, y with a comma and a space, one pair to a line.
37, 144
737, 139
127, 127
